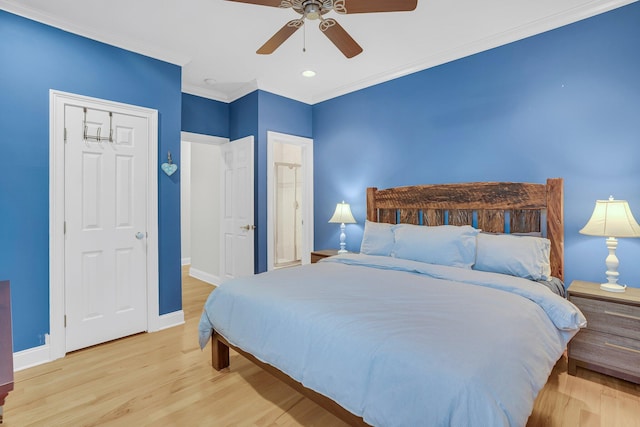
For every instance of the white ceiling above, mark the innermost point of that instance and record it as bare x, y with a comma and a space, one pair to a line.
217, 39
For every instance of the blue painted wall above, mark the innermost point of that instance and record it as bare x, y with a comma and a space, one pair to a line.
35, 58
256, 114
565, 103
205, 116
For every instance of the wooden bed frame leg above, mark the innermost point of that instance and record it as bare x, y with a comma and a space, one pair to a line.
219, 353
572, 368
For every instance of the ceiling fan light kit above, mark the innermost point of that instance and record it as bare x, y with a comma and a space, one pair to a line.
315, 9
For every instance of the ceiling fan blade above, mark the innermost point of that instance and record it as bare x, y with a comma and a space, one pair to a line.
343, 41
280, 37
369, 6
273, 3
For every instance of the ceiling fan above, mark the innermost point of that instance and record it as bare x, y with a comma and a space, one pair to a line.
315, 9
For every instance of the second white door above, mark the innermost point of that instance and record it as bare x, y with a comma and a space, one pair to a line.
238, 229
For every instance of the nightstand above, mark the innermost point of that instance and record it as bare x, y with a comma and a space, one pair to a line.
610, 344
324, 253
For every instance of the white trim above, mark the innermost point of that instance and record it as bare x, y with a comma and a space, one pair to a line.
307, 202
169, 320
56, 228
31, 357
202, 139
208, 93
40, 355
57, 101
540, 26
113, 38
193, 140
222, 96
204, 276
578, 13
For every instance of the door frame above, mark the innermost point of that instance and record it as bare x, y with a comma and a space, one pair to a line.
57, 102
307, 194
190, 139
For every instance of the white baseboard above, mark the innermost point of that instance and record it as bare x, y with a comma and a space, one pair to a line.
39, 355
31, 357
170, 320
186, 261
205, 277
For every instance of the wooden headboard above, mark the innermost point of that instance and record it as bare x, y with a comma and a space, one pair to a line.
497, 207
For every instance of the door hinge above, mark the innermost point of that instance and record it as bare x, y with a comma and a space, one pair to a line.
65, 134
65, 227
65, 320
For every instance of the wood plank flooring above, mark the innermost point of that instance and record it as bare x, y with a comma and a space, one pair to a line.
163, 379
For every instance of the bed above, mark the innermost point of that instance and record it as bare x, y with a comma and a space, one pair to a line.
452, 314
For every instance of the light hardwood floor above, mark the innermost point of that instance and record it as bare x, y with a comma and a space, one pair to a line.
163, 379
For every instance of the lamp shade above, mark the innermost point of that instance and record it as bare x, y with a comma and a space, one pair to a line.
343, 214
612, 218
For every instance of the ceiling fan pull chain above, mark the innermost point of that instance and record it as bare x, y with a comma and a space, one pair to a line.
304, 39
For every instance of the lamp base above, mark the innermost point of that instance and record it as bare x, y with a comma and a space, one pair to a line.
612, 287
343, 251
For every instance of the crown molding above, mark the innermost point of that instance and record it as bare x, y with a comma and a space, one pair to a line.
112, 39
243, 90
305, 98
205, 92
567, 17
217, 95
558, 20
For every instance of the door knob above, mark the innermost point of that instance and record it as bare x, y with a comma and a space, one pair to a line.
248, 227
139, 235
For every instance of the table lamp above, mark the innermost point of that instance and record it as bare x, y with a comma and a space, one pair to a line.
611, 219
343, 216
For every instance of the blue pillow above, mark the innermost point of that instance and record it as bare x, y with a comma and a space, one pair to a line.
377, 239
519, 256
450, 245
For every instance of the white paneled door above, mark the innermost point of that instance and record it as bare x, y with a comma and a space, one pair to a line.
238, 227
105, 225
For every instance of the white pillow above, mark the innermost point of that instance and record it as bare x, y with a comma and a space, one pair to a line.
520, 256
377, 239
443, 244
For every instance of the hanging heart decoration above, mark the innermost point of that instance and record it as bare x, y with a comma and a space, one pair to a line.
169, 168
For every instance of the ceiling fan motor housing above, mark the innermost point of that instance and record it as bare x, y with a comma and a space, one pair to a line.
312, 9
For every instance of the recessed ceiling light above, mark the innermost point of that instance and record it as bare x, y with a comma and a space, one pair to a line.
308, 73
210, 81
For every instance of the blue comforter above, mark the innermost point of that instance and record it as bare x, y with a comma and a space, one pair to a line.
401, 343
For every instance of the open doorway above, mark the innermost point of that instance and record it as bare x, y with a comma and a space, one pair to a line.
217, 207
289, 200
200, 204
287, 187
